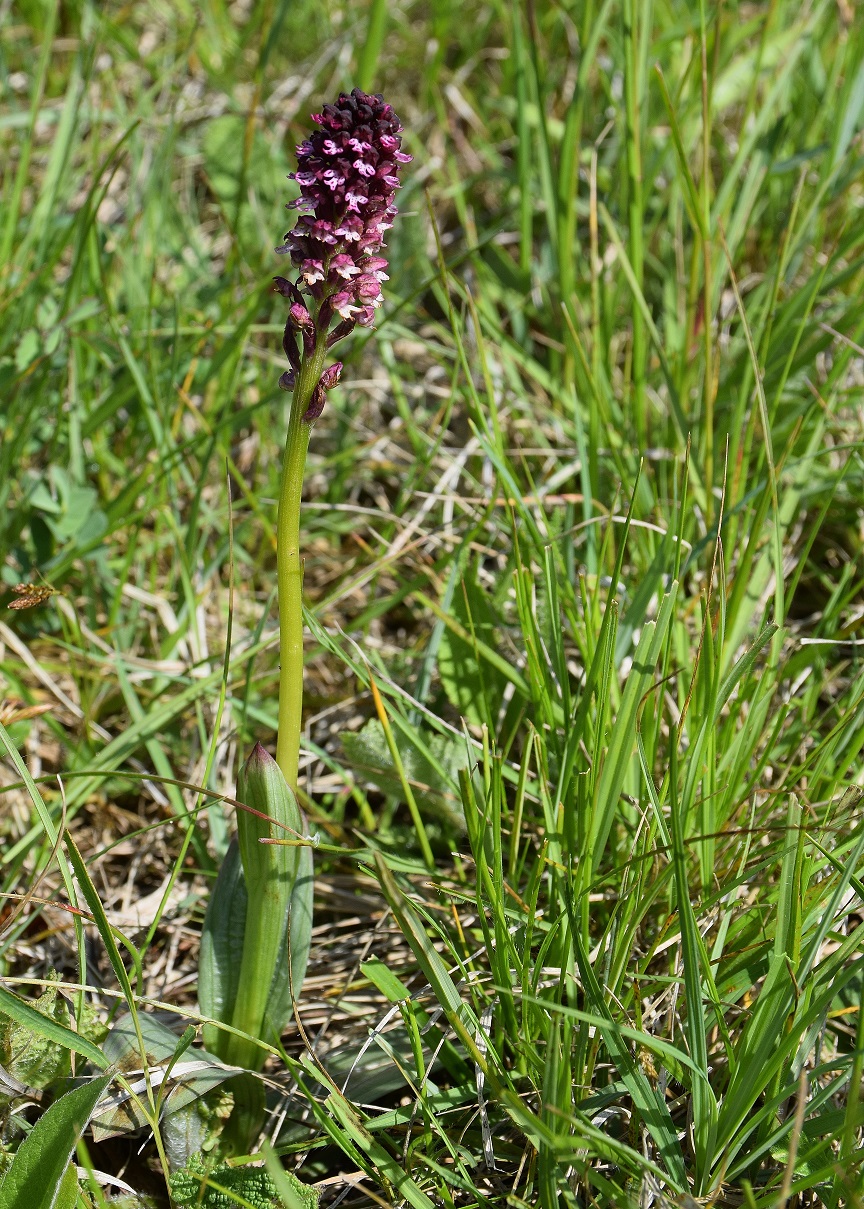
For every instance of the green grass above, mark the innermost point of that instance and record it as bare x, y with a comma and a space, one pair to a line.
586, 512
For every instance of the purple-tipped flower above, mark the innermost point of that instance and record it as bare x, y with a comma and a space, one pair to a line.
348, 173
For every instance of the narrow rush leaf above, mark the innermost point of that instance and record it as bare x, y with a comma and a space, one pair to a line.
107, 934
853, 1115
704, 1102
787, 904
385, 980
380, 1158
400, 770
156, 752
634, 615
810, 954
836, 864
372, 43
123, 745
753, 580
623, 742
691, 197
647, 1099
663, 1049
778, 1022
523, 141
105, 930
571, 1148
510, 484
52, 833
636, 216
547, 1167
455, 1010
427, 955
742, 667
756, 1048
576, 727
777, 529
14, 195
651, 327
653, 796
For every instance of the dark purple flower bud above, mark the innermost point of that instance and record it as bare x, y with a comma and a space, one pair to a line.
286, 382
340, 331
289, 290
330, 377
289, 344
329, 380
300, 316
316, 405
300, 320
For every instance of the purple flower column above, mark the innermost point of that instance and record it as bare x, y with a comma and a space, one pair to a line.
348, 173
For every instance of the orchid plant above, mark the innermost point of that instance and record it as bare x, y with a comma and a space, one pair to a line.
348, 173
255, 943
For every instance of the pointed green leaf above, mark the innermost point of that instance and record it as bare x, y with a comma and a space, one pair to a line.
37, 1176
222, 945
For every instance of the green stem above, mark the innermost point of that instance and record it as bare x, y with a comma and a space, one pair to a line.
289, 569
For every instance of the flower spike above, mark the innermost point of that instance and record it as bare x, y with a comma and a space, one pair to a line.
348, 173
